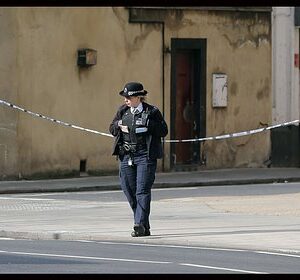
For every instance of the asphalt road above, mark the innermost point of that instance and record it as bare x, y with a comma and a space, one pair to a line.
224, 213
98, 257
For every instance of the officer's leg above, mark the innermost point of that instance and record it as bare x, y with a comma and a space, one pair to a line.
128, 182
145, 178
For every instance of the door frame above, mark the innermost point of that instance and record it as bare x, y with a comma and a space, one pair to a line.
198, 45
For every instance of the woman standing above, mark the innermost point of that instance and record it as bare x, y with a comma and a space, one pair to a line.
138, 128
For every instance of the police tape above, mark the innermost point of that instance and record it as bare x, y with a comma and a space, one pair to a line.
51, 119
237, 134
219, 137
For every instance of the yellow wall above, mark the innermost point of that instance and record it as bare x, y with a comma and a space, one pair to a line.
39, 48
239, 45
8, 91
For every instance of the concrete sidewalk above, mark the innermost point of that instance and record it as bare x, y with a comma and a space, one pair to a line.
256, 222
163, 180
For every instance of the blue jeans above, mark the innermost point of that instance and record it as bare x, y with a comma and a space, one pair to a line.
136, 183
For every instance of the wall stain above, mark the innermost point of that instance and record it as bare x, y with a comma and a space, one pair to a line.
236, 111
174, 19
233, 88
136, 43
264, 91
244, 28
217, 69
140, 39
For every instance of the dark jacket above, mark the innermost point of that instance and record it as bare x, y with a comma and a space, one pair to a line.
157, 128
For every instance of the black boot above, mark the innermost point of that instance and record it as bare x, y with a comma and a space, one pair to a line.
138, 230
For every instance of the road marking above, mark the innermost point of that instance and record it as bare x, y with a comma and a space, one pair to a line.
24, 198
7, 238
223, 268
83, 257
128, 260
278, 254
193, 247
64, 193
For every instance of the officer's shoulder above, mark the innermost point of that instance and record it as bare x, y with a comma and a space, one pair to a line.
152, 108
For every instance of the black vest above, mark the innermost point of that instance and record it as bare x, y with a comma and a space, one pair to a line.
136, 128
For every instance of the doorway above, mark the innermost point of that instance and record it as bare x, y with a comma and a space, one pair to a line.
188, 101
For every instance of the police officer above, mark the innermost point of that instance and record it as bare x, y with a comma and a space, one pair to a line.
138, 128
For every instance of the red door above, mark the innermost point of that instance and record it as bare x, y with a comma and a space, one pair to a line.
184, 117
188, 102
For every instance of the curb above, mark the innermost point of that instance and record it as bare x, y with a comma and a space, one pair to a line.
36, 189
69, 236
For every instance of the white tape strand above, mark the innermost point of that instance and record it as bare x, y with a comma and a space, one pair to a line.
238, 134
53, 120
219, 137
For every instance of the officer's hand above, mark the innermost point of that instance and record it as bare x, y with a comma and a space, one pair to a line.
124, 128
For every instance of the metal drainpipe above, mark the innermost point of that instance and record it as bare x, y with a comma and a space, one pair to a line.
163, 71
163, 85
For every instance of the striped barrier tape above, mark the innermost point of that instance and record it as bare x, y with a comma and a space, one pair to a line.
219, 137
52, 120
238, 134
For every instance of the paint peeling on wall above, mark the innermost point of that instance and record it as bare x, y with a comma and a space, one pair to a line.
133, 42
244, 28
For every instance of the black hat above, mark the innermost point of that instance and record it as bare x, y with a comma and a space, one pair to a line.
133, 89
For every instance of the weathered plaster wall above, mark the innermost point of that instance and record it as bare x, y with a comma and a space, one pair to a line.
239, 45
49, 81
8, 90
39, 48
242, 50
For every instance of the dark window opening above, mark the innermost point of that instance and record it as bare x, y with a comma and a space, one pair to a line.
82, 167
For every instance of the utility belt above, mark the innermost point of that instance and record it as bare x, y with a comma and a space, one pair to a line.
132, 147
